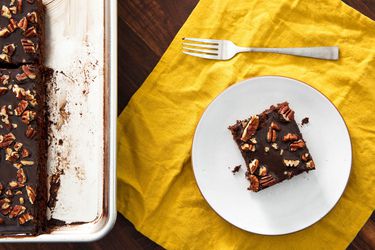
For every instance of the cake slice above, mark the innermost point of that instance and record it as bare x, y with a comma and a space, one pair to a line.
21, 32
272, 146
23, 144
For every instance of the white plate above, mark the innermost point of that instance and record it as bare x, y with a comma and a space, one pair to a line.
288, 206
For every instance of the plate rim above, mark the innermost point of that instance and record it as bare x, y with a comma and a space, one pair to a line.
236, 84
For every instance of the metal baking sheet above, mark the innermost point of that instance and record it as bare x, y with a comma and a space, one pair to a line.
82, 50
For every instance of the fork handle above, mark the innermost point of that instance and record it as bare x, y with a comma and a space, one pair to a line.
328, 53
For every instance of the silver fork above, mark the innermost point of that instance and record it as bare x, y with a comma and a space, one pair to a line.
225, 50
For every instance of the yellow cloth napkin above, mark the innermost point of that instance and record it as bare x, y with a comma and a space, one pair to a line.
156, 187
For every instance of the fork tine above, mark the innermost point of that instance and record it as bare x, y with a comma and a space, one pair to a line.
202, 40
202, 50
201, 45
200, 55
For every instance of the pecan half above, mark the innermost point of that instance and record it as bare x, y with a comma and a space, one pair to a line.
297, 145
25, 218
290, 137
286, 113
271, 135
253, 166
250, 128
28, 46
11, 155
22, 24
254, 183
267, 181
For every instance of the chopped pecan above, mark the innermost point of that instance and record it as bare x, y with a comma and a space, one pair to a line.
275, 146
291, 163
289, 174
22, 105
6, 140
31, 194
30, 132
18, 91
4, 32
248, 147
32, 17
19, 6
5, 206
9, 49
290, 137
25, 218
27, 163
17, 165
28, 116
305, 156
11, 155
29, 71
266, 149
254, 183
297, 145
253, 166
21, 176
21, 200
25, 153
28, 46
4, 79
12, 26
17, 146
263, 171
5, 58
3, 90
250, 128
1, 188
17, 210
30, 32
13, 9
5, 12
275, 126
310, 164
286, 113
267, 181
22, 24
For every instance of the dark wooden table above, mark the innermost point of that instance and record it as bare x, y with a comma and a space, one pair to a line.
146, 27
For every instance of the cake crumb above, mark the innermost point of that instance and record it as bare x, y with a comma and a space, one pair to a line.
305, 121
236, 169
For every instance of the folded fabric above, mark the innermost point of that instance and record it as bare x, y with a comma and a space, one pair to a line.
156, 186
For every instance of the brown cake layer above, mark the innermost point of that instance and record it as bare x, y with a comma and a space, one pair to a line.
272, 146
23, 145
21, 32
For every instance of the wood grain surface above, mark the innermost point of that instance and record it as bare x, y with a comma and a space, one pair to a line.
146, 28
